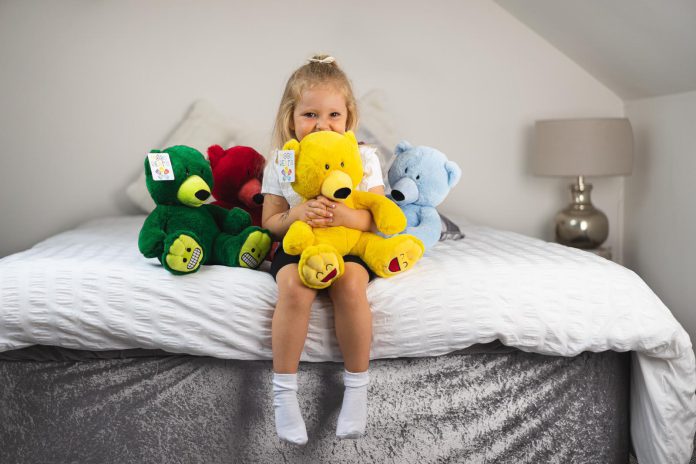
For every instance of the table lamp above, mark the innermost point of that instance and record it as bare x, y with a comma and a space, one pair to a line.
581, 148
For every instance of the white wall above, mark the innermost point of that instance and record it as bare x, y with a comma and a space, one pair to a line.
660, 226
87, 88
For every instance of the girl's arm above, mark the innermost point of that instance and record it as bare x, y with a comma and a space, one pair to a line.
277, 216
359, 219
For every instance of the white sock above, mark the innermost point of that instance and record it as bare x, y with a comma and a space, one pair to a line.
289, 423
353, 416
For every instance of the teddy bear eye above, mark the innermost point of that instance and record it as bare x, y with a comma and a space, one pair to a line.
342, 164
187, 172
326, 166
406, 171
417, 177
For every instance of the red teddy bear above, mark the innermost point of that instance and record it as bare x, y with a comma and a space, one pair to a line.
237, 175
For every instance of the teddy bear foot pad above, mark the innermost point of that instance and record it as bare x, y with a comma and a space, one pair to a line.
185, 255
254, 250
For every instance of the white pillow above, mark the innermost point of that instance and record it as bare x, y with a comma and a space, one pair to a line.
376, 128
202, 127
259, 140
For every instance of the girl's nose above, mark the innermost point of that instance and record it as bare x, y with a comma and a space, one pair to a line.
322, 125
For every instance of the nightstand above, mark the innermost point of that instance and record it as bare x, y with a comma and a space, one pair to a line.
604, 252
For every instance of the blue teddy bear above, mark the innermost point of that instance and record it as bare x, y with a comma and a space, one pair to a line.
420, 179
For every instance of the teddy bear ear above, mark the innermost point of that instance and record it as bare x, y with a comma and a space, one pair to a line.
215, 153
402, 147
292, 144
454, 173
350, 135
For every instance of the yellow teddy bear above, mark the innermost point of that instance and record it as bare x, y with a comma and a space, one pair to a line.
329, 164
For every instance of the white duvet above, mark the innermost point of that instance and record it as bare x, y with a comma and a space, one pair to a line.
91, 289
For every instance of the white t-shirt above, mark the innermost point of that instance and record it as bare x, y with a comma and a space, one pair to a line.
372, 177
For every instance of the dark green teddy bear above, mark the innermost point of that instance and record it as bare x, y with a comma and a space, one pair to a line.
183, 232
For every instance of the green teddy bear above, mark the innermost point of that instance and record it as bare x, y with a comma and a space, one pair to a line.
183, 232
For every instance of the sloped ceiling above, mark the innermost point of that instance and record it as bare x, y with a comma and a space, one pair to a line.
637, 48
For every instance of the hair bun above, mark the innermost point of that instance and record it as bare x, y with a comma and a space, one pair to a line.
324, 59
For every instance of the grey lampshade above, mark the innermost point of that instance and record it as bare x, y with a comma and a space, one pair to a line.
583, 147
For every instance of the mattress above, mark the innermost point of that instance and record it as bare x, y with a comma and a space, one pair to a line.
488, 403
90, 289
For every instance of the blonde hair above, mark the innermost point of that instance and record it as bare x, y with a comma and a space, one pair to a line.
320, 70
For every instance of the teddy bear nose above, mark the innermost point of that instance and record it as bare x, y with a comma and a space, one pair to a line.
398, 196
258, 199
202, 195
342, 193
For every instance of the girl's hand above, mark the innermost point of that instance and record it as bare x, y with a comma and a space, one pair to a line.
317, 212
358, 219
342, 215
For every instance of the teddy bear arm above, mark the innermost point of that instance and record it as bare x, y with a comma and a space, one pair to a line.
151, 238
230, 221
236, 221
298, 237
218, 213
386, 214
429, 226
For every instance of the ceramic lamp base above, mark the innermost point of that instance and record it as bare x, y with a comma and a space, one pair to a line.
581, 225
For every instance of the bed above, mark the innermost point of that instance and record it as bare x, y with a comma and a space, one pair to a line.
495, 348
147, 406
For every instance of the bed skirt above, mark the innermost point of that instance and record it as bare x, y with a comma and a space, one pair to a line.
485, 404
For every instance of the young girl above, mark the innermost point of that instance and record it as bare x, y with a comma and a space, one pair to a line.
318, 97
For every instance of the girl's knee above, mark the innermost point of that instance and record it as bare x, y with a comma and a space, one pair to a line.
352, 284
291, 288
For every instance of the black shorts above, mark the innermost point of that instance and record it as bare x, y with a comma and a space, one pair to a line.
281, 258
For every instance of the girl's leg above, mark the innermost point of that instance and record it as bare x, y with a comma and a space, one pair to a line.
289, 331
353, 320
352, 316
290, 320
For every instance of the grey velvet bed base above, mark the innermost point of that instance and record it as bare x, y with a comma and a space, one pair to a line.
486, 404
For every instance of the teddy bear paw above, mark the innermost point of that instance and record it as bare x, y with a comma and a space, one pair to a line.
299, 237
406, 253
185, 255
237, 220
320, 266
254, 249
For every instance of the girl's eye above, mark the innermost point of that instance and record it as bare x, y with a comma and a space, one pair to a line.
335, 114
310, 115
326, 166
342, 164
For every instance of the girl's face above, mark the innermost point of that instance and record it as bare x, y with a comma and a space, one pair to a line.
319, 109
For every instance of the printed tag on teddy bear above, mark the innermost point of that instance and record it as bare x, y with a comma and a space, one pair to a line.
285, 165
161, 166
